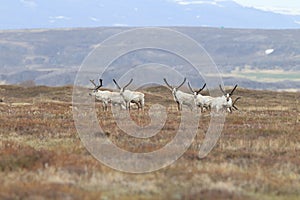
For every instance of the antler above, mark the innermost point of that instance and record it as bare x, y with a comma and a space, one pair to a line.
169, 86
222, 90
116, 84
100, 81
232, 90
96, 86
92, 81
99, 86
181, 83
235, 102
197, 92
190, 87
201, 88
128, 84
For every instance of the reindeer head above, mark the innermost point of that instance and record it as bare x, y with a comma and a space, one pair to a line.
195, 92
174, 89
122, 89
96, 87
228, 95
230, 104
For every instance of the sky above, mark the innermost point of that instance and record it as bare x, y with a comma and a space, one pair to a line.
94, 13
279, 6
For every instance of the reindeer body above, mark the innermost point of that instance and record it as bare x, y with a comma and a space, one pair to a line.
131, 96
220, 103
224, 102
202, 101
182, 98
102, 96
117, 99
107, 97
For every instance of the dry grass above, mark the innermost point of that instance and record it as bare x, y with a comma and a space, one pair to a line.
41, 156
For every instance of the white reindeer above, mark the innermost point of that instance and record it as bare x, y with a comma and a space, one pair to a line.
200, 100
107, 97
117, 100
181, 98
224, 102
131, 96
230, 104
102, 96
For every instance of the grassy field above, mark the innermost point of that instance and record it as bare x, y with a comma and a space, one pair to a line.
275, 75
42, 157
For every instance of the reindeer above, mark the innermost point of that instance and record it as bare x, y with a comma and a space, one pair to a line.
225, 101
102, 96
107, 97
230, 104
131, 96
117, 100
200, 100
181, 98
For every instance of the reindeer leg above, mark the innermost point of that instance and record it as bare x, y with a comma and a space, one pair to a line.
128, 105
105, 106
178, 105
191, 107
143, 104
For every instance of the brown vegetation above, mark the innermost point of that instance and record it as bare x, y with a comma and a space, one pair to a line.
42, 157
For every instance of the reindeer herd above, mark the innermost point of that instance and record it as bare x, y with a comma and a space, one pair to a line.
194, 100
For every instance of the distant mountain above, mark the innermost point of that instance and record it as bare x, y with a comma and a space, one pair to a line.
28, 14
259, 59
